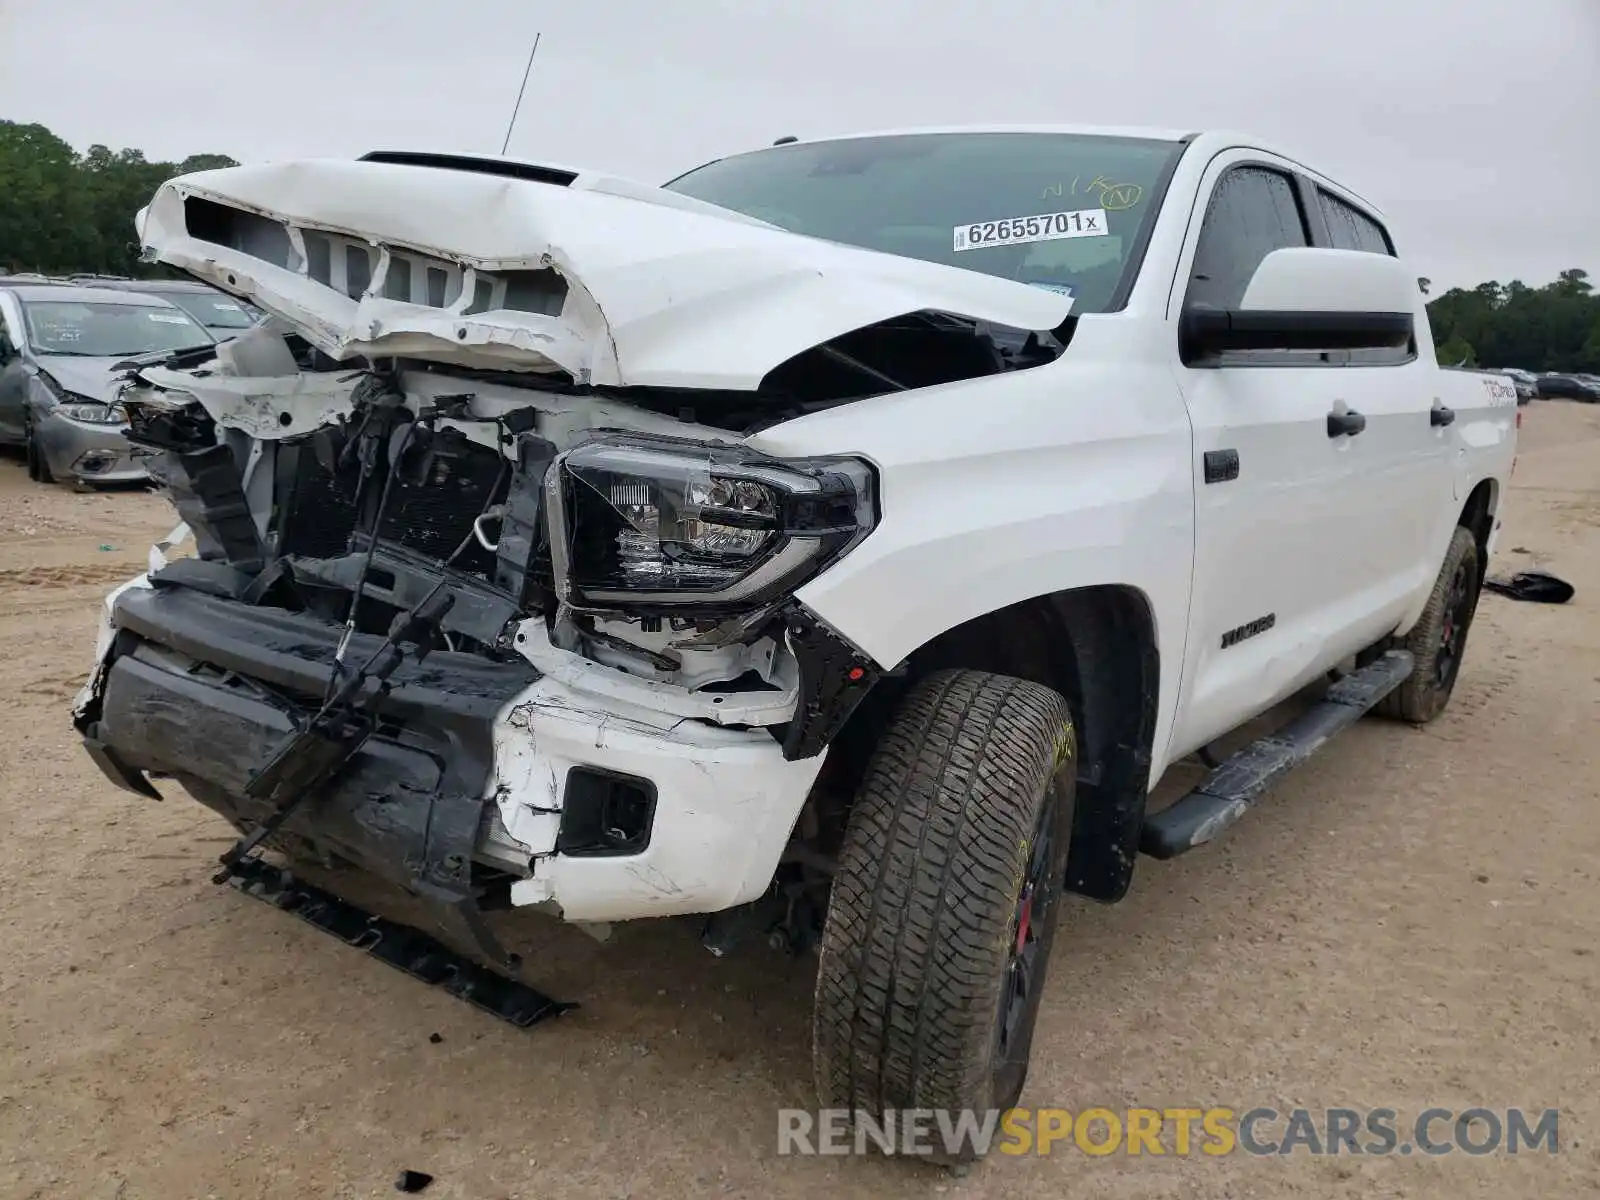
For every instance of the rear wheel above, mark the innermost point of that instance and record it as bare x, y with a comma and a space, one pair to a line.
1439, 638
38, 467
944, 906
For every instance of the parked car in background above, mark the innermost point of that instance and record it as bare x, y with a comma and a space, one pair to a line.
1568, 387
219, 312
1526, 383
59, 346
1505, 387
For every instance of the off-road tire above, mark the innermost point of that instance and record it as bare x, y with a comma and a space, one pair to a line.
38, 465
1438, 640
973, 776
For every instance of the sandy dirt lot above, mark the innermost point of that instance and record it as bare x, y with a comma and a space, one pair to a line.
1410, 921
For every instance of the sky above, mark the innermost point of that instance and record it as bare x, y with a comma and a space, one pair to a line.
1474, 124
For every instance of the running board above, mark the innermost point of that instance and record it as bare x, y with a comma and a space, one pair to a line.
402, 947
1230, 790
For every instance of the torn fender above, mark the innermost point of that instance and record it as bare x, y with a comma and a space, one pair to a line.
659, 290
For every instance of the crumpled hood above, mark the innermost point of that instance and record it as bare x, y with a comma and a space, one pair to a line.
654, 288
92, 378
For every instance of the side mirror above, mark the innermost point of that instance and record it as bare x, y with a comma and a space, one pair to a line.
6, 352
1306, 298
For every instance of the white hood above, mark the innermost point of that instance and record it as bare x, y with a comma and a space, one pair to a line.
663, 290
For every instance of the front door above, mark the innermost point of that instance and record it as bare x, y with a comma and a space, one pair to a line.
1279, 562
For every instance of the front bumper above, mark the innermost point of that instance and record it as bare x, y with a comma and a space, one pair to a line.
473, 768
84, 453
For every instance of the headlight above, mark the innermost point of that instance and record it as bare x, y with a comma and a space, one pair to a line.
82, 408
645, 523
92, 413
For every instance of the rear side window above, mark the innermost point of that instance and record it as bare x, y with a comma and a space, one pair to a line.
1253, 211
1351, 229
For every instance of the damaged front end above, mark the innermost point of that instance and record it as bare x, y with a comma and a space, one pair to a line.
472, 645
492, 597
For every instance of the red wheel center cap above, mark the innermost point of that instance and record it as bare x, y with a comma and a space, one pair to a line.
1024, 918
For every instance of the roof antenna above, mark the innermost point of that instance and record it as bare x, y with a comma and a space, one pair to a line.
526, 71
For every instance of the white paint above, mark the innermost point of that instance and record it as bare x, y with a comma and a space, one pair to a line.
267, 409
726, 801
160, 550
1340, 538
1312, 279
105, 633
664, 291
1081, 473
598, 681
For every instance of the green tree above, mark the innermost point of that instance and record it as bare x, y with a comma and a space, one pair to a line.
1549, 328
1457, 353
204, 162
43, 209
63, 213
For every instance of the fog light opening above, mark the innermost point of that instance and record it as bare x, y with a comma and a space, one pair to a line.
605, 815
94, 462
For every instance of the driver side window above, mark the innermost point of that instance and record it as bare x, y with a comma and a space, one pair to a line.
1253, 211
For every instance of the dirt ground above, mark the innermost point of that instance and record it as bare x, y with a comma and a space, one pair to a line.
1409, 922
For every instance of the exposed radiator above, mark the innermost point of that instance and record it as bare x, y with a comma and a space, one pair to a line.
460, 478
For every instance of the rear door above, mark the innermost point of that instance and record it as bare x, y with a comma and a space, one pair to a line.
1279, 562
1402, 460
13, 377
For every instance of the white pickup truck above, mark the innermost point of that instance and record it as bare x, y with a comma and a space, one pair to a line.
837, 543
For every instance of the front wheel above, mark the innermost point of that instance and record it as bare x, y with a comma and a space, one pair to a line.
1439, 638
944, 906
38, 465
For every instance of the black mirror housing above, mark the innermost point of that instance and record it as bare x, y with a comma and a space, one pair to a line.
1207, 332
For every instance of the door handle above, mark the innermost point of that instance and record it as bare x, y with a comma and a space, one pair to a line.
1350, 423
1441, 416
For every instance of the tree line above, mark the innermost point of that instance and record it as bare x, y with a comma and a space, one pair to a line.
1551, 328
64, 213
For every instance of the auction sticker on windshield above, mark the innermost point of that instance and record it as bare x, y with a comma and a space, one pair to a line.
1045, 227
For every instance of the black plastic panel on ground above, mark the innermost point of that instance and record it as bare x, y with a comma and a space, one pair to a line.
401, 946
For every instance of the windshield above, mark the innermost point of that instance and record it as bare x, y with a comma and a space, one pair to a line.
214, 310
94, 329
1065, 212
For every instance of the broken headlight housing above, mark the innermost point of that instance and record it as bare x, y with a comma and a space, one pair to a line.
90, 412
658, 524
84, 409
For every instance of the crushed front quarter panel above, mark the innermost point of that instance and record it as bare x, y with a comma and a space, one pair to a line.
726, 803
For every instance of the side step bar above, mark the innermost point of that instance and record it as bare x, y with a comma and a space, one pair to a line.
1230, 790
410, 950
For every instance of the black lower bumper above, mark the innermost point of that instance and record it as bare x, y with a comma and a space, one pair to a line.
402, 947
205, 689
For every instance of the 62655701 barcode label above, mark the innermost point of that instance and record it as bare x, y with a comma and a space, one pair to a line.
1046, 227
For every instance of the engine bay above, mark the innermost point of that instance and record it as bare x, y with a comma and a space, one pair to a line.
631, 554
